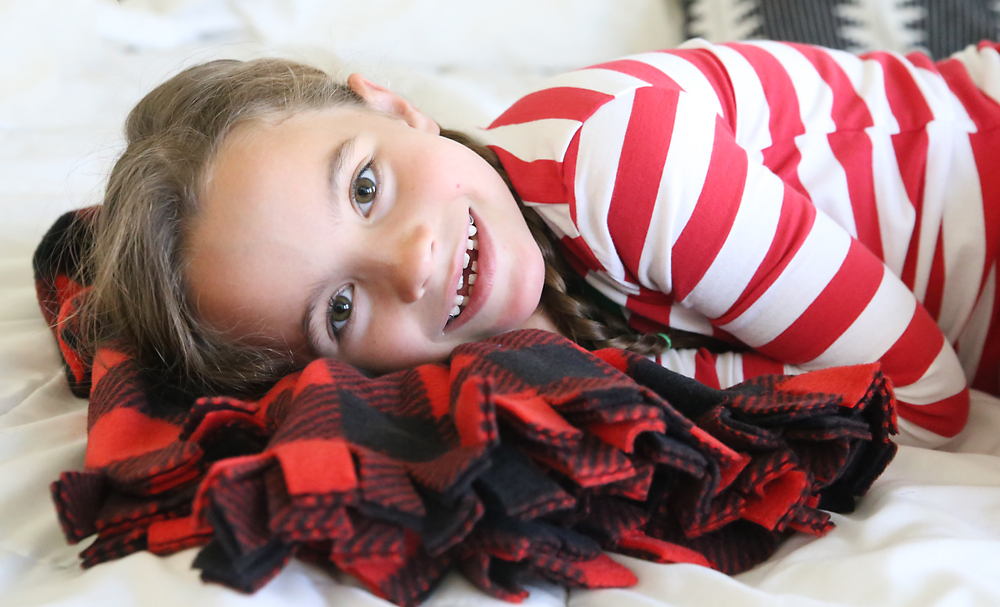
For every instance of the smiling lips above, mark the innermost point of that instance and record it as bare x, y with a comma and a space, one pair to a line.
467, 280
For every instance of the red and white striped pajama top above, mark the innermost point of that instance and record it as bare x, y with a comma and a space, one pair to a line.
823, 208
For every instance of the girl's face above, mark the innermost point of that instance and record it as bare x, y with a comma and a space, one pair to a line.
344, 233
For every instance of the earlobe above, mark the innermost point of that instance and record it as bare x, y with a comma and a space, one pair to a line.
384, 100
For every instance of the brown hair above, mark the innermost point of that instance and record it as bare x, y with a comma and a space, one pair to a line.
139, 294
571, 305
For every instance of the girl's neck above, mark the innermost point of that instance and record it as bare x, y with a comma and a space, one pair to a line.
540, 320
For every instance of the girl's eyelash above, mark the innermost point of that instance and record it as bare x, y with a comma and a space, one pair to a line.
338, 307
376, 183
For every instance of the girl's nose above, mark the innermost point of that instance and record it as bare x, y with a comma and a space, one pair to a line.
408, 262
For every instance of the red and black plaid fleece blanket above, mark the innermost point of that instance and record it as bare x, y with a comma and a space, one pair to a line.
524, 456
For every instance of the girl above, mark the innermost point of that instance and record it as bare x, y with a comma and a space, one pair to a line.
819, 208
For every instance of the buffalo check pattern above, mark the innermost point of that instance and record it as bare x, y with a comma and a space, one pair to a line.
522, 457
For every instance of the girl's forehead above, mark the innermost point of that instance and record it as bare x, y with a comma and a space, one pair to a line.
348, 121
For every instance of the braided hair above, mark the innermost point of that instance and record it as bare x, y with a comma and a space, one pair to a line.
568, 301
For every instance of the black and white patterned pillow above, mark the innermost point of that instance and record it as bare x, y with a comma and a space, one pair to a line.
937, 27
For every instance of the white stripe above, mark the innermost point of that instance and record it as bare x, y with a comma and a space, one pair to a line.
612, 289
745, 247
753, 114
941, 100
825, 180
983, 67
875, 330
685, 74
937, 383
601, 140
686, 319
679, 361
950, 124
949, 116
963, 228
936, 183
894, 210
814, 95
728, 365
807, 274
821, 174
684, 171
545, 139
896, 213
793, 370
868, 80
913, 435
557, 217
973, 338
729, 368
609, 82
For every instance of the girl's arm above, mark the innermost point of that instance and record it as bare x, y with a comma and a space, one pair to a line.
675, 206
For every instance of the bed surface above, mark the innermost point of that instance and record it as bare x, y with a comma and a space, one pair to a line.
928, 533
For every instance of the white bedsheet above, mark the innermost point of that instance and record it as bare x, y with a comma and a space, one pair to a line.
927, 534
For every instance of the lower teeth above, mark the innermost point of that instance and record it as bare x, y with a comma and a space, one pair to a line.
455, 311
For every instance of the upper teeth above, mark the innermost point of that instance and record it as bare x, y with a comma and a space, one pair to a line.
472, 244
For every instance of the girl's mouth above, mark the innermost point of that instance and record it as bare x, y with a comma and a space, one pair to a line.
467, 280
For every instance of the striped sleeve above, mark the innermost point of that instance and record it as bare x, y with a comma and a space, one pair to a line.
676, 205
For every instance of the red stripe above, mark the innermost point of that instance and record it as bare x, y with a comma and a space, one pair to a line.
794, 225
568, 103
945, 417
836, 308
710, 223
652, 305
982, 109
704, 369
915, 350
905, 99
935, 285
853, 150
921, 60
755, 365
640, 167
569, 174
726, 336
988, 373
910, 145
785, 116
851, 145
535, 181
642, 71
645, 325
984, 148
986, 114
849, 110
911, 155
580, 256
712, 68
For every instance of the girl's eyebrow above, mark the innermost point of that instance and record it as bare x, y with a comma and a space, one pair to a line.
336, 164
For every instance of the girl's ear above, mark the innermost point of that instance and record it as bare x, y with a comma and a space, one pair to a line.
384, 100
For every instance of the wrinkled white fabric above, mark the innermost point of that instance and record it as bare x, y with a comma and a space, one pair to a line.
928, 534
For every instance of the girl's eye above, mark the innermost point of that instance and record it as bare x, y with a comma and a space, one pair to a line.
341, 306
365, 190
